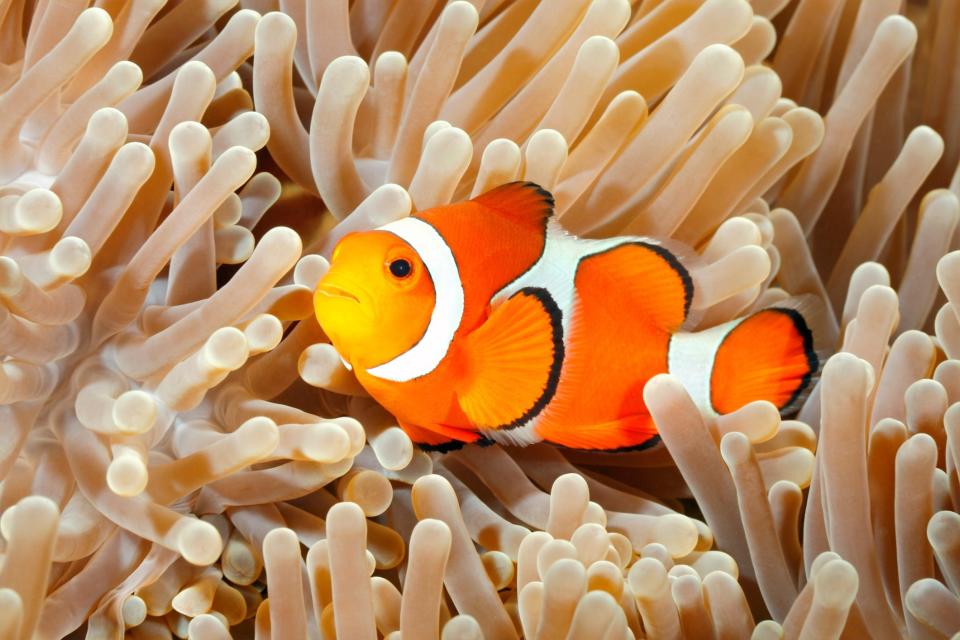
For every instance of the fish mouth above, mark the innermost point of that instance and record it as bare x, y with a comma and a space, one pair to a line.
333, 291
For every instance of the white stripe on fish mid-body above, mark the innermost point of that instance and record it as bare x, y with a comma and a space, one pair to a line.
555, 272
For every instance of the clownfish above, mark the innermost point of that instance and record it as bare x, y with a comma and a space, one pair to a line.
485, 321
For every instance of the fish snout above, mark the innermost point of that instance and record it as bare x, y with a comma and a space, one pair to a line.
335, 291
334, 285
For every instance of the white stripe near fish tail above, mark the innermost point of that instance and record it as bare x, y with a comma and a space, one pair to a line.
690, 358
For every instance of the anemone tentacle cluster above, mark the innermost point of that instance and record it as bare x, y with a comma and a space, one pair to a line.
183, 453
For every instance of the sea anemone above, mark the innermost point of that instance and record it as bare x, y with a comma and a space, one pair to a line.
183, 453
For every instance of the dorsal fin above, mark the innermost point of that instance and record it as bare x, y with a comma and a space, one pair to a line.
650, 281
525, 203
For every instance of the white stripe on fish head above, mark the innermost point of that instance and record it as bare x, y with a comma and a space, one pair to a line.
432, 348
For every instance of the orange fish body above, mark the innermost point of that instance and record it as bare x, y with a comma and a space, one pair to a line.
484, 320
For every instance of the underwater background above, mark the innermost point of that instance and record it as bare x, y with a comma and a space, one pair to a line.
183, 453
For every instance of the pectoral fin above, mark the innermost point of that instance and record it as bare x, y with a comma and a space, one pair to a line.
513, 361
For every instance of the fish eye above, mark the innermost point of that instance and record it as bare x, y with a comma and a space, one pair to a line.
400, 268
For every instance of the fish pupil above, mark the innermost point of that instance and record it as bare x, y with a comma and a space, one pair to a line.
400, 268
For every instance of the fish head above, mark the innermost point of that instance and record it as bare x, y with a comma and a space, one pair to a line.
376, 299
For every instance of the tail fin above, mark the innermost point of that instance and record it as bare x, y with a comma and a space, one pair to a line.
769, 355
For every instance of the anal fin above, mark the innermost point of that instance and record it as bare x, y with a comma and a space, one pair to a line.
443, 439
630, 432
